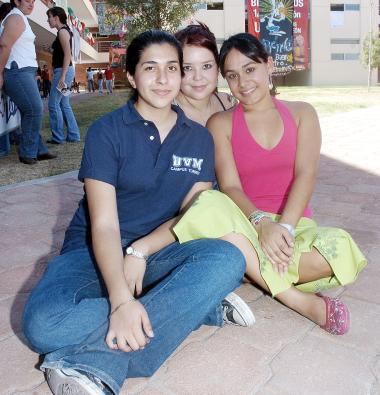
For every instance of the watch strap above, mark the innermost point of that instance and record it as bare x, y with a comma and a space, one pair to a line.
136, 253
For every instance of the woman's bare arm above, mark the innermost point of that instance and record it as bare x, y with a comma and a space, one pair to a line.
129, 322
306, 165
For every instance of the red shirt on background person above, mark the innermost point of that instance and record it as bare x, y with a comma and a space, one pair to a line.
108, 73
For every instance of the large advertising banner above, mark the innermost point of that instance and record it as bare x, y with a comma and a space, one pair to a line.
276, 33
253, 17
283, 28
301, 35
10, 117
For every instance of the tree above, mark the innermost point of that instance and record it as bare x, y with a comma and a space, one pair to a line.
153, 14
375, 52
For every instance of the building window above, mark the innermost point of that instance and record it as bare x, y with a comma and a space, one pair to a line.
337, 56
336, 7
200, 6
215, 5
345, 56
336, 15
345, 41
351, 56
352, 7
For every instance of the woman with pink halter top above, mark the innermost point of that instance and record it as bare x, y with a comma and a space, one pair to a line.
267, 154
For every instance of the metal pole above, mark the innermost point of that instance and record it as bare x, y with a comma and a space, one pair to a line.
370, 46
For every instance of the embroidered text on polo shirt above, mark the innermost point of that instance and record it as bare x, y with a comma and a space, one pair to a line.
192, 165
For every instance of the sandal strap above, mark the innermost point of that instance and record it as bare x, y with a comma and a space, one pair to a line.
337, 316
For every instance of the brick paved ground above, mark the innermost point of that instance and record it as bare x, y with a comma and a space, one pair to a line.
283, 354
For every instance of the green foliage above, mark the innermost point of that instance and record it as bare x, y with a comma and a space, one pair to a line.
153, 14
375, 53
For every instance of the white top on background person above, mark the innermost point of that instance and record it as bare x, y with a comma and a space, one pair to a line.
90, 74
23, 51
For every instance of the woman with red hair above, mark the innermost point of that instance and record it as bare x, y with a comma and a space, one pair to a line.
199, 98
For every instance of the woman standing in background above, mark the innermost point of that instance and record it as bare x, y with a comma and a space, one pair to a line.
63, 75
18, 66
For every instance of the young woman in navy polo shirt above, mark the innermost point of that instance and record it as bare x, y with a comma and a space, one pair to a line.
123, 294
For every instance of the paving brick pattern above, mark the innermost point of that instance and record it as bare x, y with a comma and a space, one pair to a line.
284, 353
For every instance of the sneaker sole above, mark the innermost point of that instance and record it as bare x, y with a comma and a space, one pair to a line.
69, 381
242, 308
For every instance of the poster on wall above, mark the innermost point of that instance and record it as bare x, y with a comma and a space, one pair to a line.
276, 33
117, 57
10, 117
301, 59
253, 11
282, 26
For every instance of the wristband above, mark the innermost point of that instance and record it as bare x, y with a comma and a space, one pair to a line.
257, 216
289, 228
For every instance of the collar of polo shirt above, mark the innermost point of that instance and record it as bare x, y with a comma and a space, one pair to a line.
131, 115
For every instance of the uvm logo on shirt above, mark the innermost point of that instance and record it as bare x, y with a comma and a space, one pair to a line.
191, 165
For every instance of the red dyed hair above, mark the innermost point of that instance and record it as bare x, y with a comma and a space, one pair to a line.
198, 36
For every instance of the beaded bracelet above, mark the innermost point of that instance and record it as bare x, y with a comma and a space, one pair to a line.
132, 299
257, 216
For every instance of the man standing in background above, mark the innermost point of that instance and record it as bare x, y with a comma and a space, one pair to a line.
90, 80
109, 77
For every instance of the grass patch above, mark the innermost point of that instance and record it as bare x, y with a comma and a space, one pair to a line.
86, 110
331, 100
326, 100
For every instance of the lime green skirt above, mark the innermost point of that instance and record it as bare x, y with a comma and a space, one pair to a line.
214, 215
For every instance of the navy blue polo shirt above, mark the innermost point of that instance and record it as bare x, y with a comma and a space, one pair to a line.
151, 179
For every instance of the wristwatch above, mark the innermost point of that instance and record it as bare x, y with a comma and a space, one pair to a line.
138, 254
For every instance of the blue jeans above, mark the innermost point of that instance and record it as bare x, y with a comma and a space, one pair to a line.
5, 146
20, 85
109, 86
66, 316
60, 110
100, 86
90, 86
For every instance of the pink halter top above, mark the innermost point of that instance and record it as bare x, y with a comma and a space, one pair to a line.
266, 175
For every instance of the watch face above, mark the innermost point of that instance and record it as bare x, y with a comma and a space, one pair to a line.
129, 250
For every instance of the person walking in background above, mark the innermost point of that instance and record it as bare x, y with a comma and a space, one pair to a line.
90, 80
39, 79
45, 75
5, 138
18, 66
60, 110
109, 79
100, 81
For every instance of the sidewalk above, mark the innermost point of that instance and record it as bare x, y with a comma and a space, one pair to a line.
283, 354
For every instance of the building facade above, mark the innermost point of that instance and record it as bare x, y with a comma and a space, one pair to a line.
337, 29
336, 34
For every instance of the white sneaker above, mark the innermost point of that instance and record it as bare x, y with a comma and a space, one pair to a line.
236, 311
67, 381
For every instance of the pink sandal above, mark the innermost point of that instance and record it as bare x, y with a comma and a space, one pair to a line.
337, 316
